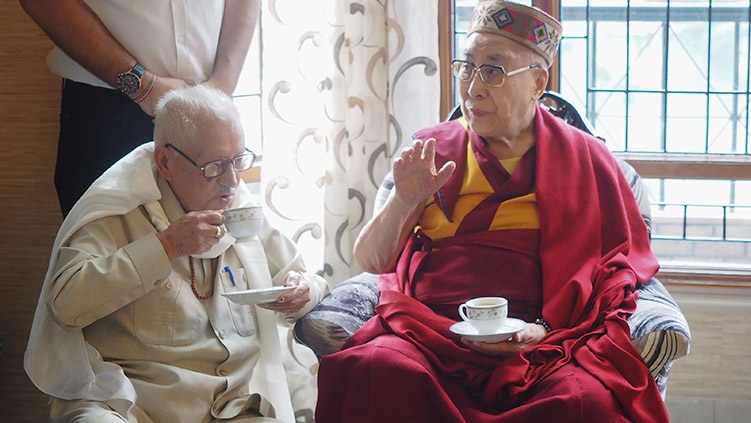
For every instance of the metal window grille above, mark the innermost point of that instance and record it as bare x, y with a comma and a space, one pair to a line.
664, 78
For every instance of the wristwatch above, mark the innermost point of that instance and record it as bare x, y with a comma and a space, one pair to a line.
129, 82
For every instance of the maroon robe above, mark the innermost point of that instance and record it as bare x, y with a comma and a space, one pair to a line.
580, 271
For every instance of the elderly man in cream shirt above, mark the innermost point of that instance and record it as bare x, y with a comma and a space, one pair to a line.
131, 324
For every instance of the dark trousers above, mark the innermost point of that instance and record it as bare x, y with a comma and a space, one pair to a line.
98, 126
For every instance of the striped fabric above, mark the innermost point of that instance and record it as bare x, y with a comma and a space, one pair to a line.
659, 330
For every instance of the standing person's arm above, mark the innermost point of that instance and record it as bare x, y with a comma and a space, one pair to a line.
78, 31
239, 23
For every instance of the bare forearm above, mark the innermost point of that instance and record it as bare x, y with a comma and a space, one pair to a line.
415, 181
239, 23
381, 241
75, 29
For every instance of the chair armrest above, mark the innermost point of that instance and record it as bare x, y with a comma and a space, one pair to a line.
344, 310
659, 330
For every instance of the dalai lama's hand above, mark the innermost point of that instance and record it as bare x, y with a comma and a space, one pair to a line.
531, 335
415, 174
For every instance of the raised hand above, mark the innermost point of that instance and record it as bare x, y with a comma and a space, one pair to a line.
194, 233
415, 175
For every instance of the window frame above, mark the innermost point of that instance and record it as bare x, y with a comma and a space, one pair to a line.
648, 165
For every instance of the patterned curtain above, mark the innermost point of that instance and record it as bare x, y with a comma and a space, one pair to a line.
345, 84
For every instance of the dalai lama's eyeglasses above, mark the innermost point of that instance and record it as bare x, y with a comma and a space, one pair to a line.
491, 75
216, 168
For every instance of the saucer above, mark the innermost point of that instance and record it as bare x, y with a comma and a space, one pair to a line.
258, 296
509, 328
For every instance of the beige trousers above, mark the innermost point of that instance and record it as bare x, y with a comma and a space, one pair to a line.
81, 411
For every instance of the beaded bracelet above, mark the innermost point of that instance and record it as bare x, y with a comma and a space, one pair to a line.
543, 323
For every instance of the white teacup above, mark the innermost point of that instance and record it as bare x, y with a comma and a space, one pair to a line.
244, 222
486, 314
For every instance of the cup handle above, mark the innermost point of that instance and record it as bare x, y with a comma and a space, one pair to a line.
463, 307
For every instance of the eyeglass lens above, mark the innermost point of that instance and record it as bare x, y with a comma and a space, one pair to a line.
240, 163
490, 75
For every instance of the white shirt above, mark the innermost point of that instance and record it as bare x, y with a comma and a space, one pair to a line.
174, 38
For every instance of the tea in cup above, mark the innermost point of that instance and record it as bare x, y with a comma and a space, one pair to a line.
486, 314
244, 222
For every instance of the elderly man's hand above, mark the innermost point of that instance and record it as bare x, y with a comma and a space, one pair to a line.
415, 175
294, 300
531, 335
194, 233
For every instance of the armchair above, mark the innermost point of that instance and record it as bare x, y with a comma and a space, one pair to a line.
659, 330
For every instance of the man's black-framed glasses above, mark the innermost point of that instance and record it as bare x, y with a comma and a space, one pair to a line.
491, 75
216, 168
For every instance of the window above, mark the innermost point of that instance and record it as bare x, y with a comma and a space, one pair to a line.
667, 85
247, 98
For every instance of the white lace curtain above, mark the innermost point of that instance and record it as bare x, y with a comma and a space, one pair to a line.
345, 84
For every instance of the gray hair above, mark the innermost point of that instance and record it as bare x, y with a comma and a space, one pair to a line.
178, 111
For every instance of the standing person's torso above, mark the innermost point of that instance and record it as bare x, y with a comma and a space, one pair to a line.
174, 38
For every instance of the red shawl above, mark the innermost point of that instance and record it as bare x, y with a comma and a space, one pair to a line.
594, 251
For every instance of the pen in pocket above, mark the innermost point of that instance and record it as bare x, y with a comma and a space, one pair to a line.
228, 270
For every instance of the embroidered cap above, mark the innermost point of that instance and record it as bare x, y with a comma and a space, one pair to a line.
526, 25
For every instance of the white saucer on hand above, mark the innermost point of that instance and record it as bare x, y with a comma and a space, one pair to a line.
506, 331
258, 296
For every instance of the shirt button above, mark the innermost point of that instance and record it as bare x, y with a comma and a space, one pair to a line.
181, 39
223, 372
222, 334
169, 285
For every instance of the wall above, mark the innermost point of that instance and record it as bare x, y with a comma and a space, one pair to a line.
713, 383
718, 364
29, 214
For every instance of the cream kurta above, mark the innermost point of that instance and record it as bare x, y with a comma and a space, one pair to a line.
183, 356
